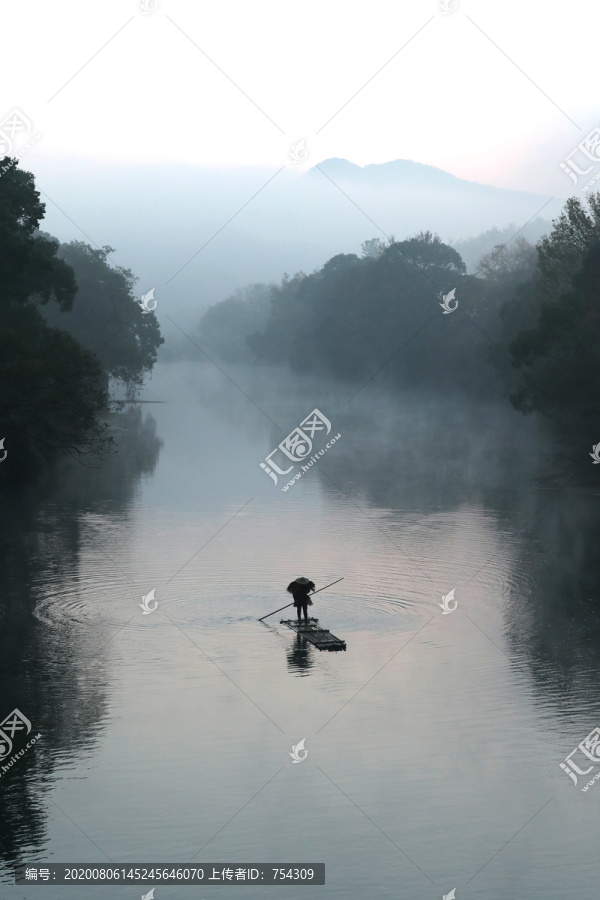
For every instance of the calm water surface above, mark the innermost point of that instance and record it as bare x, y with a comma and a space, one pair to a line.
433, 743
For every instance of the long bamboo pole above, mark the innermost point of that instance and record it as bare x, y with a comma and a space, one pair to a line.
291, 604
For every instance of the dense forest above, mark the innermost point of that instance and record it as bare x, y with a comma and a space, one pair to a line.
68, 327
524, 327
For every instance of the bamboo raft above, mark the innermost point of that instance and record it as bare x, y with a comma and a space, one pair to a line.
312, 631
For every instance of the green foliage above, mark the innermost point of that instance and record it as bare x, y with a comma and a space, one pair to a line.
373, 248
558, 352
508, 264
104, 318
52, 386
560, 255
354, 316
29, 267
51, 394
560, 356
225, 327
429, 254
274, 343
473, 249
508, 301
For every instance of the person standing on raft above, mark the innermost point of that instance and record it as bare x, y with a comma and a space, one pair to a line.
300, 589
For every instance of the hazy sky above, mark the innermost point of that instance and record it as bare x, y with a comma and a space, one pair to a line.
493, 92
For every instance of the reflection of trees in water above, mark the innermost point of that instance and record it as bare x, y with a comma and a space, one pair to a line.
435, 456
45, 669
554, 603
425, 452
427, 455
138, 448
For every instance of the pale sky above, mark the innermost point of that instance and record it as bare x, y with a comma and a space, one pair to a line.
493, 92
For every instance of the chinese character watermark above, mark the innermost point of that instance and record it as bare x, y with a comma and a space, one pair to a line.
589, 749
14, 723
588, 151
297, 446
15, 140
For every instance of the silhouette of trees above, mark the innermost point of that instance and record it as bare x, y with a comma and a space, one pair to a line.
53, 388
527, 325
225, 326
560, 356
103, 317
353, 316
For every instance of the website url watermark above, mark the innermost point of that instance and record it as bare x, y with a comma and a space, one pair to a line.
13, 723
297, 446
310, 463
585, 752
588, 151
13, 129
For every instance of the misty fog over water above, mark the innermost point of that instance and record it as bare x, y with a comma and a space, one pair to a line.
177, 719
299, 450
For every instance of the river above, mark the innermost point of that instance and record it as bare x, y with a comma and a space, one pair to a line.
433, 744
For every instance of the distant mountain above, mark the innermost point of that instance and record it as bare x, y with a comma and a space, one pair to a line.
403, 197
398, 171
198, 234
405, 173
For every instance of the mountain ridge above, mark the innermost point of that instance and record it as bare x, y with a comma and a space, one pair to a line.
402, 172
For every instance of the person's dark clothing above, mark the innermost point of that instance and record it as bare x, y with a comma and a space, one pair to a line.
302, 606
300, 594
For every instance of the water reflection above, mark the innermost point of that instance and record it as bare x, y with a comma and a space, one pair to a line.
553, 613
118, 479
56, 674
299, 656
455, 488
